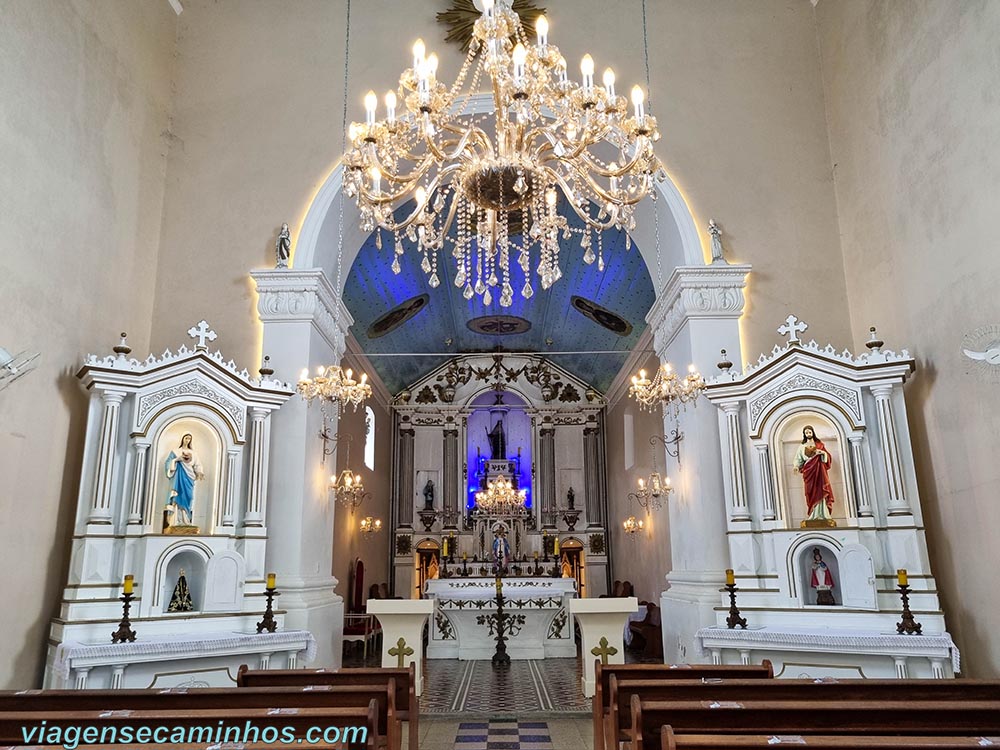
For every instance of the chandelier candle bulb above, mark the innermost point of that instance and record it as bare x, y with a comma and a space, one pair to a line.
587, 69
390, 106
563, 69
609, 83
638, 97
488, 8
371, 104
419, 50
520, 57
730, 577
127, 584
271, 581
901, 577
542, 30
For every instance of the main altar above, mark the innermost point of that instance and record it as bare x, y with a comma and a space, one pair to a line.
536, 613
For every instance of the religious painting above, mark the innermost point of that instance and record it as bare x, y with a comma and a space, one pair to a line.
186, 477
811, 478
390, 321
601, 315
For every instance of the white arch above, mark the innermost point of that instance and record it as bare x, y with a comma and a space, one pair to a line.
318, 237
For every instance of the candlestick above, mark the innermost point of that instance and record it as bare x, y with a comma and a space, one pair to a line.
907, 624
269, 623
556, 546
125, 632
734, 618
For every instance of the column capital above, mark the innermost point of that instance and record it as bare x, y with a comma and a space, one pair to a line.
113, 396
730, 407
288, 296
714, 292
882, 390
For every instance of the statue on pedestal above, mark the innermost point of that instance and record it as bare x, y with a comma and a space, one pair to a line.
429, 495
821, 579
812, 460
181, 599
501, 551
184, 469
498, 442
283, 247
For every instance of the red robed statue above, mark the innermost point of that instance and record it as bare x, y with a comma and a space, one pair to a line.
813, 461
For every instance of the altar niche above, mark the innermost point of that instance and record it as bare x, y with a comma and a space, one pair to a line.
789, 441
427, 562
202, 442
498, 430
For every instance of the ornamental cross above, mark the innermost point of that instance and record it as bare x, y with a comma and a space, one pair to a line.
792, 328
201, 332
400, 651
604, 650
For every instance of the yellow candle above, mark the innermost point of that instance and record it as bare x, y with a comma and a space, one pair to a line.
901, 577
444, 547
557, 546
465, 555
270, 580
536, 555
127, 586
730, 577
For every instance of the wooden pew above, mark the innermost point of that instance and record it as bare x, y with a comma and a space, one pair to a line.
671, 741
602, 672
887, 718
406, 686
183, 699
297, 721
620, 692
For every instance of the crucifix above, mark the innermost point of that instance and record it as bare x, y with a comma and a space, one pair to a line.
400, 651
201, 332
604, 650
792, 328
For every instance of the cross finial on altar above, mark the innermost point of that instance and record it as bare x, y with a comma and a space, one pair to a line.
400, 651
792, 328
201, 332
604, 650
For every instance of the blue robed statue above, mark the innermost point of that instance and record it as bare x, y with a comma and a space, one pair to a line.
183, 470
501, 551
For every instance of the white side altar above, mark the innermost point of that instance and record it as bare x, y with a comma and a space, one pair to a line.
539, 608
402, 622
602, 626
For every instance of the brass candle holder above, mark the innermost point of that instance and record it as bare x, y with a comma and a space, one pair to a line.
125, 633
269, 623
734, 618
908, 624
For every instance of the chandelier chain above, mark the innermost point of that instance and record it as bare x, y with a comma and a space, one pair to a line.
343, 147
649, 94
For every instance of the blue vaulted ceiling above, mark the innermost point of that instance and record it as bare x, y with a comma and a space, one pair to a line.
624, 288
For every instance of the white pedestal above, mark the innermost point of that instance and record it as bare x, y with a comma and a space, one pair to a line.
402, 631
208, 660
601, 619
834, 652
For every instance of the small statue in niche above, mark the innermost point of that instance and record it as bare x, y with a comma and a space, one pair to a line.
183, 469
501, 551
181, 599
429, 495
812, 460
498, 442
283, 247
821, 579
571, 499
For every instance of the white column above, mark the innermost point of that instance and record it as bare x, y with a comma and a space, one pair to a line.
265, 661
766, 481
140, 449
232, 487
100, 509
117, 676
716, 656
902, 672
745, 656
860, 478
937, 669
304, 325
898, 505
740, 510
80, 675
260, 428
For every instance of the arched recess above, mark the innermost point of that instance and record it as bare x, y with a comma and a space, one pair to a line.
319, 239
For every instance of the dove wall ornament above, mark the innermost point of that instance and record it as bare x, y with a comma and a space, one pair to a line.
982, 346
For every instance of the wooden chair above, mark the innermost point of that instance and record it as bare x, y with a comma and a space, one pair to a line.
360, 628
671, 741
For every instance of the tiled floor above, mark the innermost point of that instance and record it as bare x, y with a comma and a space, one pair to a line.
506, 734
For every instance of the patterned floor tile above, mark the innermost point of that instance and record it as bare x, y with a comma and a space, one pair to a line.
501, 734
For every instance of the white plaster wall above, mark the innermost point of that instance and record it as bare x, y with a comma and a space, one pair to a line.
914, 122
84, 127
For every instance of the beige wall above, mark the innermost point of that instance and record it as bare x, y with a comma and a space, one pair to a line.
85, 87
349, 543
914, 121
645, 558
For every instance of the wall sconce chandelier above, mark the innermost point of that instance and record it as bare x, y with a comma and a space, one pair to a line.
666, 389
554, 148
650, 492
632, 526
370, 525
348, 488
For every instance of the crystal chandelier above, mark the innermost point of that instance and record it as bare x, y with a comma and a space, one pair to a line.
348, 488
632, 526
553, 148
501, 499
666, 388
334, 385
649, 494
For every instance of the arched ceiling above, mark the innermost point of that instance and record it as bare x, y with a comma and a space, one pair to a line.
623, 288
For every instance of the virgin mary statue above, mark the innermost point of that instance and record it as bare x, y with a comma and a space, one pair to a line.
183, 470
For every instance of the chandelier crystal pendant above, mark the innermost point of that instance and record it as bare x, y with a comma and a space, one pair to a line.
508, 183
348, 488
667, 389
501, 499
335, 386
